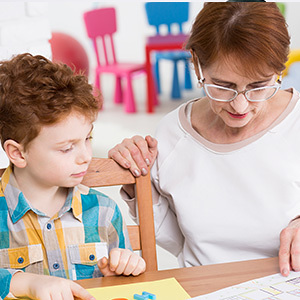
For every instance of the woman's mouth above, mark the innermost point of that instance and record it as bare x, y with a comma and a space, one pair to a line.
238, 116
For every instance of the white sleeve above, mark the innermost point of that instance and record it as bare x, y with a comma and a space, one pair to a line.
131, 202
167, 232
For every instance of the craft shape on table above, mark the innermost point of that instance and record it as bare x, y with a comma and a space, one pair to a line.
164, 289
144, 296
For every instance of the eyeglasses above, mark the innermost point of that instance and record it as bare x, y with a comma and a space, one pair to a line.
223, 94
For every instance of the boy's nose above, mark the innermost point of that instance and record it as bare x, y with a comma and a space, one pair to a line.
84, 157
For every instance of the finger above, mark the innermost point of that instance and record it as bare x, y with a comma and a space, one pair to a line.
116, 155
66, 295
102, 263
80, 292
125, 255
284, 251
114, 258
57, 295
44, 296
152, 143
140, 153
152, 147
295, 251
146, 147
123, 154
131, 264
140, 268
104, 267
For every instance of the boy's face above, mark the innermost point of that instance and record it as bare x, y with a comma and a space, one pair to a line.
61, 153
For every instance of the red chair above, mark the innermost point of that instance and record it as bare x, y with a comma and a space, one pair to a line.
101, 25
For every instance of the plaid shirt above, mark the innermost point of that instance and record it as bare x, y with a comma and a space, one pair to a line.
67, 245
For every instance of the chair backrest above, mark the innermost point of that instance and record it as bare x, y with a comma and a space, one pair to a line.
100, 25
167, 13
106, 172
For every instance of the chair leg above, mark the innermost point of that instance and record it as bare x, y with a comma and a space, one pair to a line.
187, 76
129, 97
175, 86
157, 75
118, 91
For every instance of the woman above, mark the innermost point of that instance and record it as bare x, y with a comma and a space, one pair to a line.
226, 175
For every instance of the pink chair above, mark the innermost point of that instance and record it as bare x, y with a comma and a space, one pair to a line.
101, 25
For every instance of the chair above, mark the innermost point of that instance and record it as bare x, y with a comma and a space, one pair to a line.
106, 172
100, 26
169, 13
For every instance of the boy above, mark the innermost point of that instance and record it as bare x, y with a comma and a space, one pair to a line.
49, 223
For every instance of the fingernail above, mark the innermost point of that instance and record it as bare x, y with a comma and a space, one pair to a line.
144, 171
136, 172
147, 161
285, 272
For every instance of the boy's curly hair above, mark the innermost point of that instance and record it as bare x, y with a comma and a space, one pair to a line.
35, 92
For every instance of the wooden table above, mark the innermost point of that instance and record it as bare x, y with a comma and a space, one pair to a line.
198, 280
155, 43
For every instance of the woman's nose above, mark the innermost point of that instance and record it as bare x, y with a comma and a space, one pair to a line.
240, 104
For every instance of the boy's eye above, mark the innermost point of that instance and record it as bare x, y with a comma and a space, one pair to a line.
67, 150
89, 138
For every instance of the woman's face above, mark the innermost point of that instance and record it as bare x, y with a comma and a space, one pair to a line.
238, 112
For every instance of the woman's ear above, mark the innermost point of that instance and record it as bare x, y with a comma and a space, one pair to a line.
15, 153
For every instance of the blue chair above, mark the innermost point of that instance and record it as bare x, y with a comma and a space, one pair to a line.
170, 13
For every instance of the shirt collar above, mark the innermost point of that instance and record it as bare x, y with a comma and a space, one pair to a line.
18, 205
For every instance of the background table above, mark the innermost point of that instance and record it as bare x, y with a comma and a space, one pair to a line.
198, 280
159, 43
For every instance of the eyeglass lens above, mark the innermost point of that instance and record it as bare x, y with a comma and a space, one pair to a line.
224, 94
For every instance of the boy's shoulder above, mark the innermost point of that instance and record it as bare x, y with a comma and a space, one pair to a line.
92, 195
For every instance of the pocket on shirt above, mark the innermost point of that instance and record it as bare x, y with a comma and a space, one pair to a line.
84, 258
27, 258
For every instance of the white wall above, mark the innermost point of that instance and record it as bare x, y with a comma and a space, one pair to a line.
132, 24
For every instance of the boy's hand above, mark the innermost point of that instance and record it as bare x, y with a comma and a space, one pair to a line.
122, 261
44, 287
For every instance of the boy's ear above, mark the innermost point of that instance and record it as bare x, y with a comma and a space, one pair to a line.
15, 153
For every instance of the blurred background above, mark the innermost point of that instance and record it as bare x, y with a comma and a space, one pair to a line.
28, 27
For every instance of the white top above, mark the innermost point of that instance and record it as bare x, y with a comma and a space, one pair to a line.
225, 202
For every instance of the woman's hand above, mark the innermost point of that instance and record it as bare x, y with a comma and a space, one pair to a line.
135, 154
289, 251
44, 287
122, 261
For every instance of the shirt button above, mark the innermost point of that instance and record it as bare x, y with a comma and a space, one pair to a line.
56, 266
92, 257
49, 226
20, 260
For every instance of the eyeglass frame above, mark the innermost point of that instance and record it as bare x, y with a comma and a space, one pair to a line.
277, 86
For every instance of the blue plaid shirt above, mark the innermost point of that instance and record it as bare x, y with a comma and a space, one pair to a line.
67, 245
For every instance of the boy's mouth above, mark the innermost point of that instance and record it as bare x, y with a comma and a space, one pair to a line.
80, 174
